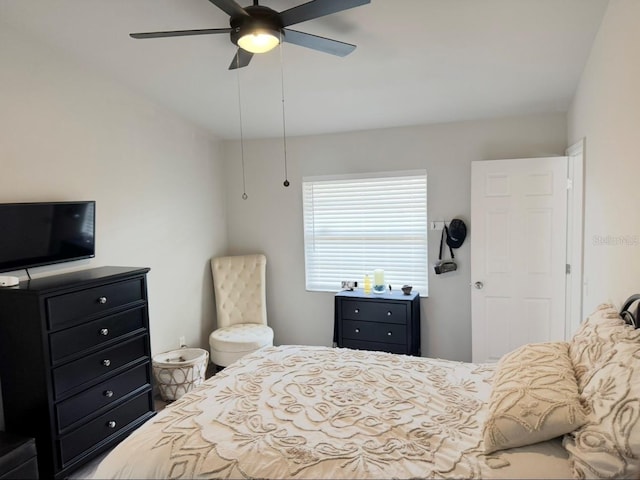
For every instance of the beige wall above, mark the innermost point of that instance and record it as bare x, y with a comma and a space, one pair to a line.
67, 134
606, 112
271, 219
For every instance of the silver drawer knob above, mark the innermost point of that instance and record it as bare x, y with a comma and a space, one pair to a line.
389, 334
102, 300
357, 310
111, 424
108, 393
106, 362
388, 314
104, 331
357, 330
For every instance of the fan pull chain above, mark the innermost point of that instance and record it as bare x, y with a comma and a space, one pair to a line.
244, 185
284, 123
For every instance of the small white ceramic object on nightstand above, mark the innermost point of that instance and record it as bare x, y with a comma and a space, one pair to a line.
8, 281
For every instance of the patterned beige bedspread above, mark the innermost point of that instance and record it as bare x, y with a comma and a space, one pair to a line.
317, 412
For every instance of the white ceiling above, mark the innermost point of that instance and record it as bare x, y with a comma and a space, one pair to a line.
417, 61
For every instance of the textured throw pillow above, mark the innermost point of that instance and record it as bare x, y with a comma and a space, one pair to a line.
608, 445
589, 348
534, 397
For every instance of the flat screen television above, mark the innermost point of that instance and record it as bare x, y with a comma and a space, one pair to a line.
44, 233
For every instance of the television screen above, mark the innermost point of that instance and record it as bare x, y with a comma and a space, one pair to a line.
35, 234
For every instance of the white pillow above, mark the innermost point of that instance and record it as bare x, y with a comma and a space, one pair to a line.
589, 348
608, 445
534, 397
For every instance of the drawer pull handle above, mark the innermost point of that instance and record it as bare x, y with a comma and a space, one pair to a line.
104, 331
111, 424
357, 310
388, 314
106, 362
108, 393
102, 300
389, 334
357, 330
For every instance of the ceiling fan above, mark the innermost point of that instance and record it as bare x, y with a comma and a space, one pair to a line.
258, 29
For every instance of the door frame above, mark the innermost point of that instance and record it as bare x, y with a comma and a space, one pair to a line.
575, 237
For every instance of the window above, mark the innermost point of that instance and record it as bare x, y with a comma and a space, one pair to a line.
356, 224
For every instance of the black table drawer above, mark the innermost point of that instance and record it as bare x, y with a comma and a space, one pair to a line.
72, 307
81, 337
98, 364
18, 458
372, 311
376, 346
374, 331
105, 393
105, 425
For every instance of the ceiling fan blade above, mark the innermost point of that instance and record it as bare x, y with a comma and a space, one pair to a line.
315, 9
322, 44
230, 7
180, 33
241, 59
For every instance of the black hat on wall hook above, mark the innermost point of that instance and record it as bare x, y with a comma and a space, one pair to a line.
457, 233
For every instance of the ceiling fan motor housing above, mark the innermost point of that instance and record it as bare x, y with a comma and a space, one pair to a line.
260, 20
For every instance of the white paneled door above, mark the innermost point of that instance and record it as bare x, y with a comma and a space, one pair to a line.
518, 253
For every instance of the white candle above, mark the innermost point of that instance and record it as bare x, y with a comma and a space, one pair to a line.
378, 277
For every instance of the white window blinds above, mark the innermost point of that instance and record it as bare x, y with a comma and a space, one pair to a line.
354, 225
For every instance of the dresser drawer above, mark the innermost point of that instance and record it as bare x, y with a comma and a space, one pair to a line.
71, 307
371, 311
105, 425
98, 364
376, 346
374, 331
105, 393
81, 337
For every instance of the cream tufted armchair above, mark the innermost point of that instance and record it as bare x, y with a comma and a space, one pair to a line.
239, 285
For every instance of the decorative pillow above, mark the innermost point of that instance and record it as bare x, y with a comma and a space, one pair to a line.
608, 445
534, 397
589, 348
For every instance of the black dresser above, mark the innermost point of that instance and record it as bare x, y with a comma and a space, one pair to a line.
388, 322
75, 365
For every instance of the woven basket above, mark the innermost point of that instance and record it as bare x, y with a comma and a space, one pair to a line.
179, 371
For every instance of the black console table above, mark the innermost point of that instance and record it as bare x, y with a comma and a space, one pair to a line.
75, 366
388, 322
18, 457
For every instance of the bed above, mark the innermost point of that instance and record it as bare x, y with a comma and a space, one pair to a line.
552, 410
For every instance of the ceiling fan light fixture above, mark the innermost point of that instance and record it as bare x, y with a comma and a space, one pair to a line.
259, 41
